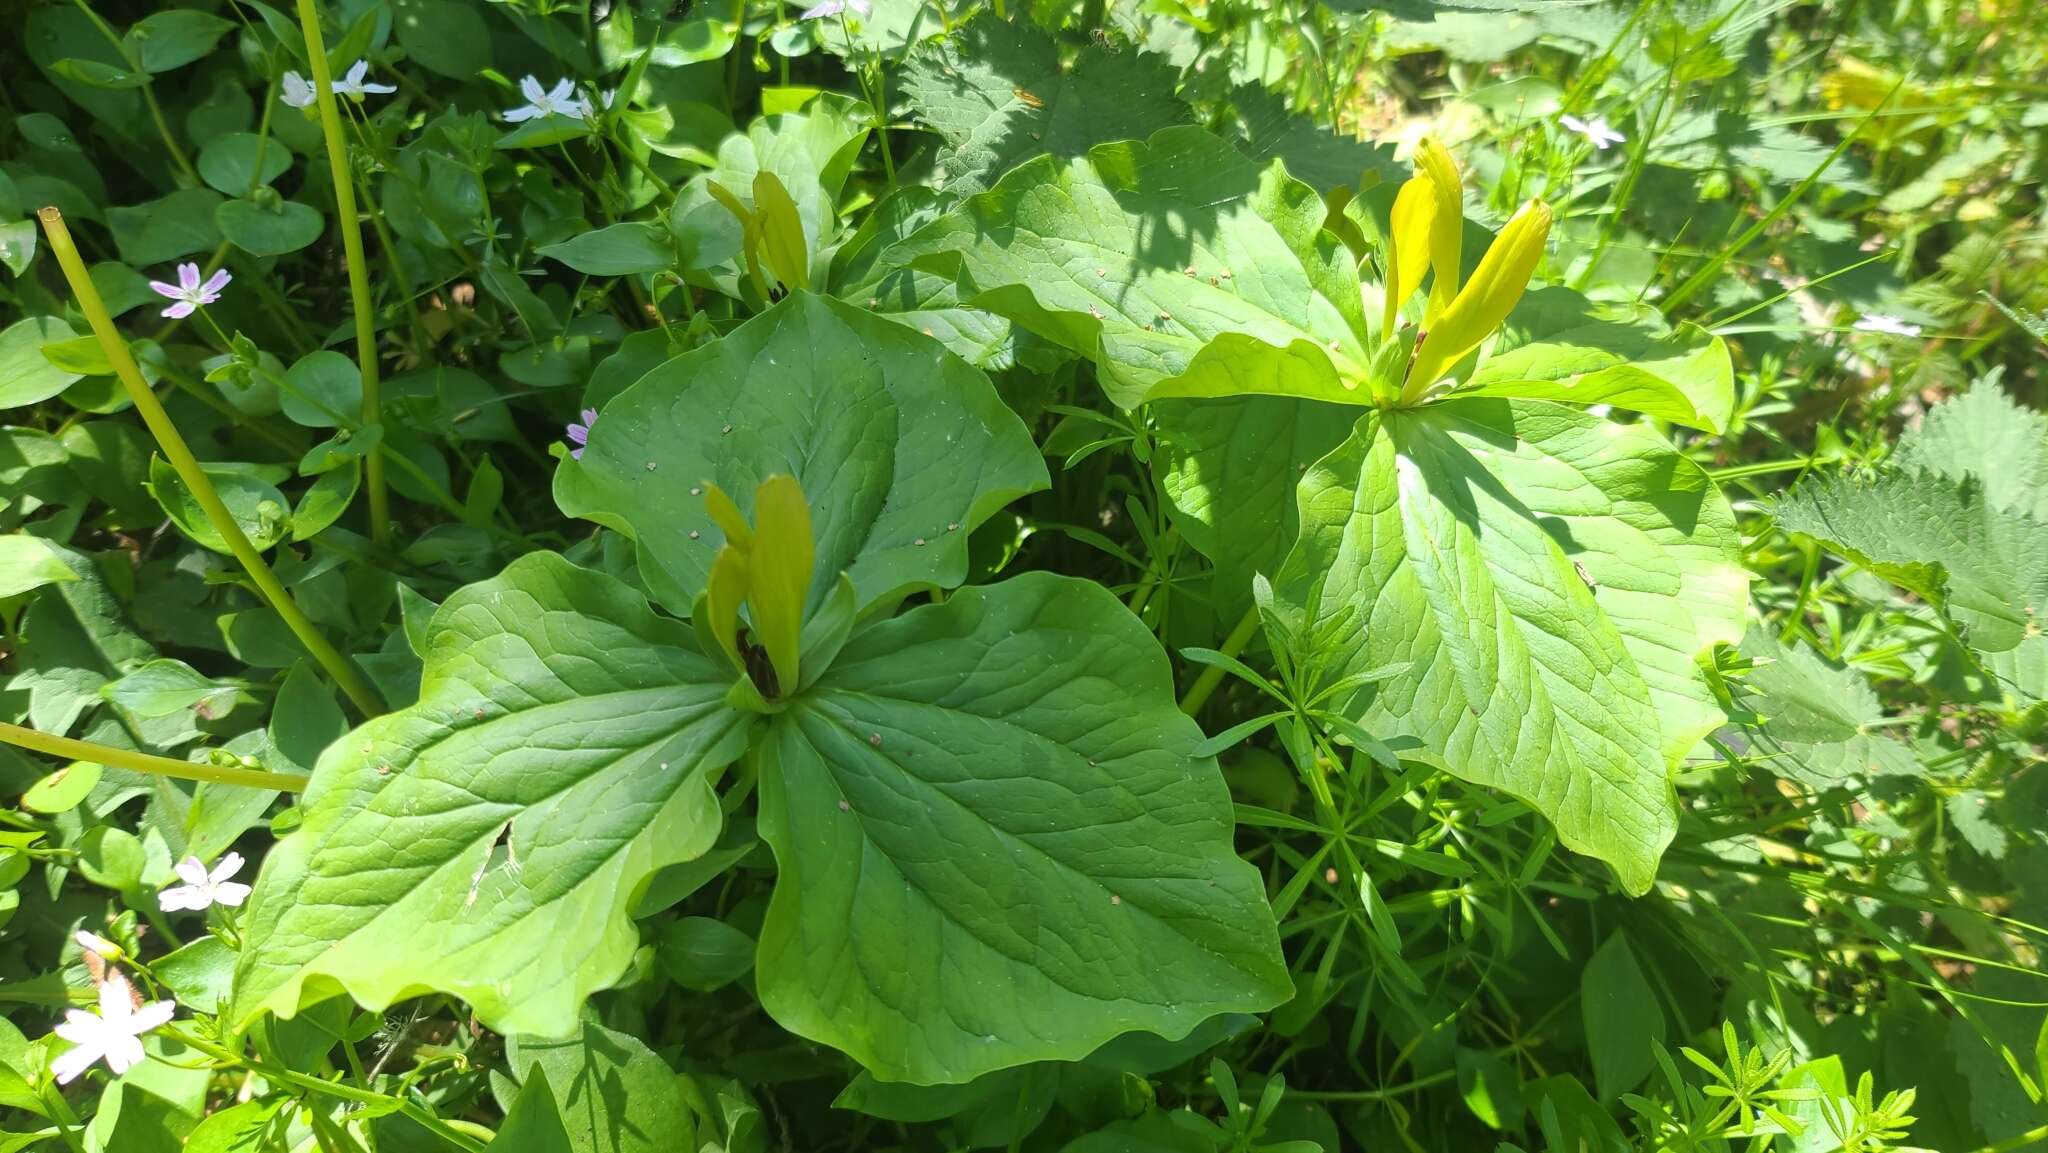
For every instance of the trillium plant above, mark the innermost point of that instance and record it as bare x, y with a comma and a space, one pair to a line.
893, 576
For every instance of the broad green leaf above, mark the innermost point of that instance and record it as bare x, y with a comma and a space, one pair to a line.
447, 37
561, 725
615, 1095
998, 94
618, 250
18, 241
164, 686
1622, 1017
175, 37
533, 1122
1555, 347
167, 228
26, 376
1548, 580
703, 953
269, 229
1178, 265
997, 846
28, 563
1939, 537
236, 163
918, 451
867, 272
98, 74
260, 511
1231, 470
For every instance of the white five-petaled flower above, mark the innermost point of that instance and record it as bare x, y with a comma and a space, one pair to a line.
355, 85
297, 91
561, 100
592, 111
835, 7
113, 1034
189, 292
1596, 131
1886, 324
94, 943
202, 889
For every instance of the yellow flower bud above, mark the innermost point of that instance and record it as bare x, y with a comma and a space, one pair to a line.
1446, 226
1408, 247
1481, 305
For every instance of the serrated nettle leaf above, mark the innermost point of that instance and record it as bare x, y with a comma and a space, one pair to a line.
1179, 266
998, 94
1550, 580
562, 750
1940, 537
1983, 434
918, 451
1086, 885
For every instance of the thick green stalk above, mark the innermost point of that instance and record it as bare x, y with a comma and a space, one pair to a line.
150, 763
1212, 675
174, 449
358, 265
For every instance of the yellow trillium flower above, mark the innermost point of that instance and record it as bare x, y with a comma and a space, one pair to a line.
768, 568
1426, 232
1480, 307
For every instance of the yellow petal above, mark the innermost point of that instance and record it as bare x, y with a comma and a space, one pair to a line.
1480, 307
728, 517
1447, 226
723, 592
1408, 247
781, 573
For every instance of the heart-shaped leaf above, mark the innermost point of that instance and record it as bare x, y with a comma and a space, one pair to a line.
488, 841
901, 449
1548, 580
997, 844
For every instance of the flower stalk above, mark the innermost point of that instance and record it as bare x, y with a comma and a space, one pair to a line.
345, 675
358, 265
76, 750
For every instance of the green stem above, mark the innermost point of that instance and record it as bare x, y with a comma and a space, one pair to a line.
412, 1109
1212, 675
358, 265
76, 750
156, 112
180, 456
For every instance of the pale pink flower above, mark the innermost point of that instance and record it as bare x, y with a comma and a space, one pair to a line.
189, 293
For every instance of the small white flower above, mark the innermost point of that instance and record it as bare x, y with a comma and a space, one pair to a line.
113, 1034
561, 100
1596, 131
355, 86
298, 91
203, 890
94, 943
189, 293
592, 112
1888, 325
835, 7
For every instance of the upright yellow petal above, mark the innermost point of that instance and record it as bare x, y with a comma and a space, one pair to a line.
723, 592
728, 517
1408, 247
781, 573
1447, 226
1480, 307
